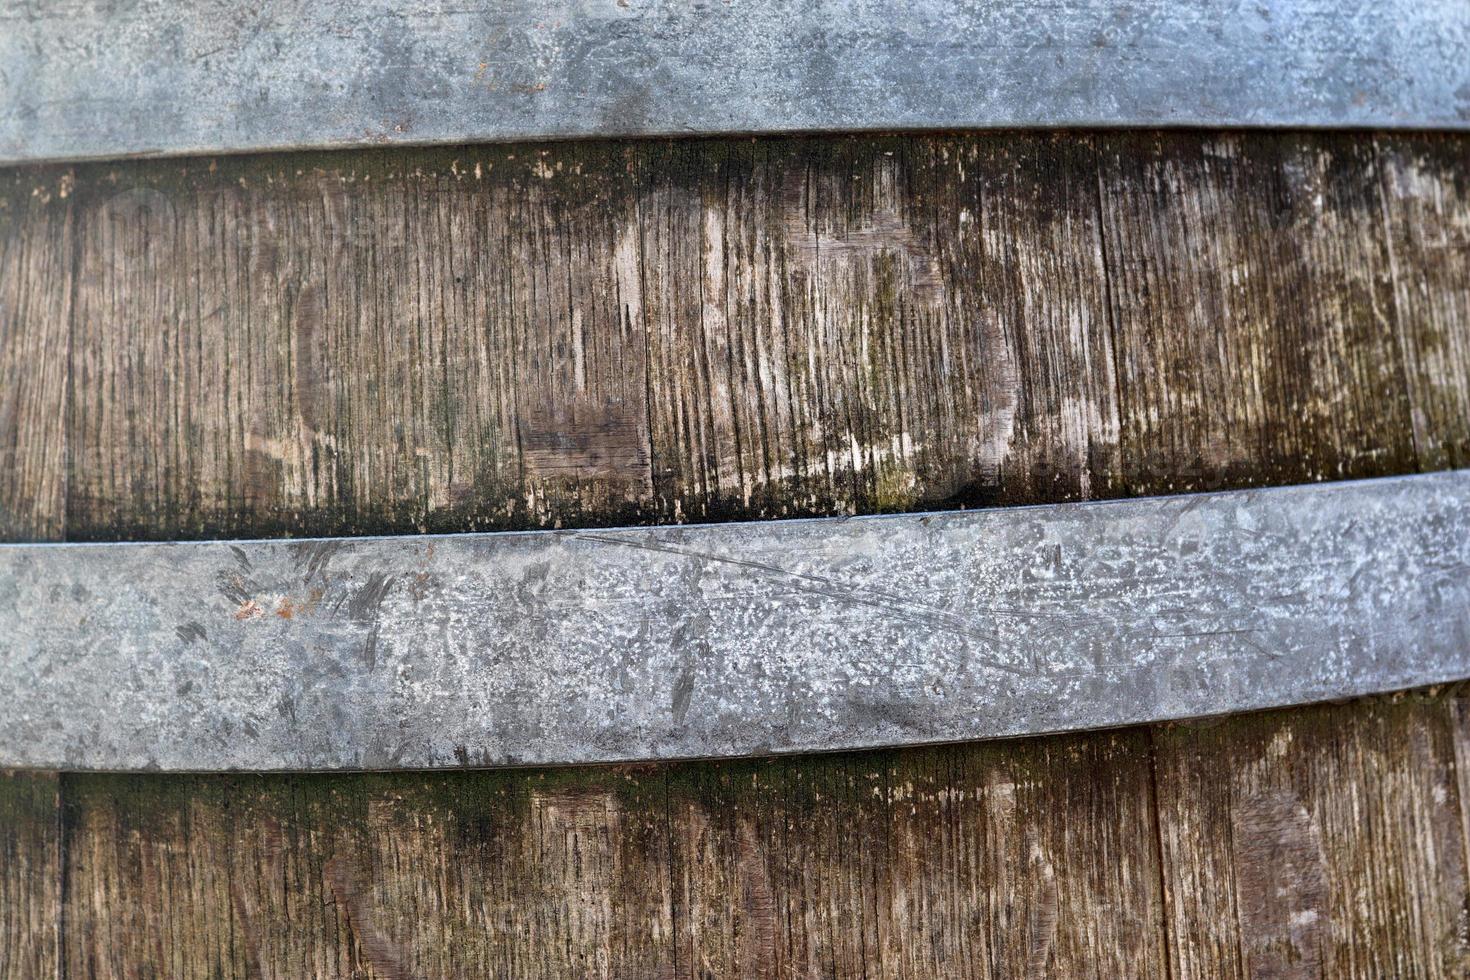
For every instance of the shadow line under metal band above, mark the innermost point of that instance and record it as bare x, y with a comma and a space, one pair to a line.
96, 80
727, 640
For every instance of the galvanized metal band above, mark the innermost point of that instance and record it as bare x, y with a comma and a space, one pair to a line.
144, 77
731, 640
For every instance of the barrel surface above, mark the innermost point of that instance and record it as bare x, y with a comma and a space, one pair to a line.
591, 334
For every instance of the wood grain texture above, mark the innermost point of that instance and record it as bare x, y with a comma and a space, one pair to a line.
590, 334
1318, 842
596, 334
981, 860
823, 867
1322, 841
1254, 301
30, 875
1426, 212
480, 874
36, 286
35, 296
316, 350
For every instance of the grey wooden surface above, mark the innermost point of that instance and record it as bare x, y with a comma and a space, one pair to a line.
143, 77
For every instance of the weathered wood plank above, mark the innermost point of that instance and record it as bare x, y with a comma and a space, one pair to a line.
1251, 290
1012, 859
587, 335
36, 265
858, 326
1318, 842
1294, 843
595, 334
303, 352
35, 296
820, 867
479, 874
1426, 210
30, 875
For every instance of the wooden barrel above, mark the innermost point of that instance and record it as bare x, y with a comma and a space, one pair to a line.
588, 334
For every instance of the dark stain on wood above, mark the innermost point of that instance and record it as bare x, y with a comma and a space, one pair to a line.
1281, 877
587, 441
30, 875
1323, 841
351, 891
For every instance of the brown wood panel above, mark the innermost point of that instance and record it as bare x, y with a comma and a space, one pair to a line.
594, 334
1252, 290
30, 875
36, 282
663, 331
286, 348
1022, 858
1426, 209
587, 334
35, 296
961, 861
546, 874
858, 326
1316, 842
1320, 841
